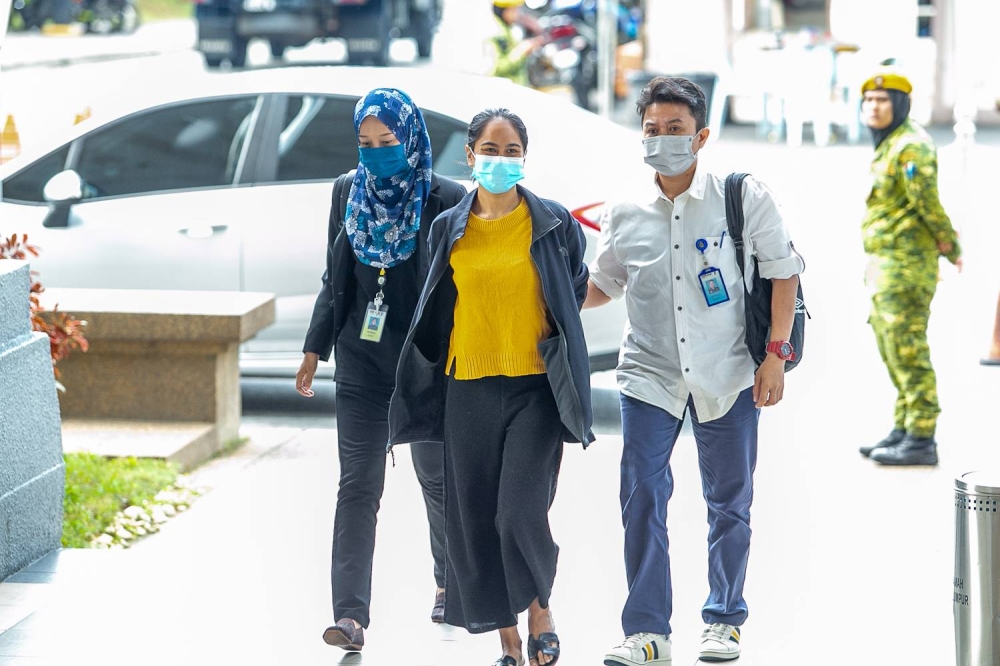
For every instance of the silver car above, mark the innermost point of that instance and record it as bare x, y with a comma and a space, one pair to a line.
223, 182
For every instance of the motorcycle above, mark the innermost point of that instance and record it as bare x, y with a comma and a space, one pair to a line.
567, 56
98, 16
104, 17
29, 14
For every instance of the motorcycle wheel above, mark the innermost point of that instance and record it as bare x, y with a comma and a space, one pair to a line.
102, 18
128, 19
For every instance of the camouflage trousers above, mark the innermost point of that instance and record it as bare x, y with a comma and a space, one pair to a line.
899, 319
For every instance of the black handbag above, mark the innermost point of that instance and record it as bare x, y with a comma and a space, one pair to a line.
757, 302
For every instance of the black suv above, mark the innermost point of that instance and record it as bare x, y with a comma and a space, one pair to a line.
368, 26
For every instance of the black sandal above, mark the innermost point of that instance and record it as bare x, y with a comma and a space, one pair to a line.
506, 660
544, 644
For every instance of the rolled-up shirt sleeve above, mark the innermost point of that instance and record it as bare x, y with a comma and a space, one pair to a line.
606, 271
768, 236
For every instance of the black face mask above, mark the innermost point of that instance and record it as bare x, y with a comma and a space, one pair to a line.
900, 112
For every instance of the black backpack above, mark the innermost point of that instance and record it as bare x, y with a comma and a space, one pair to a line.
757, 303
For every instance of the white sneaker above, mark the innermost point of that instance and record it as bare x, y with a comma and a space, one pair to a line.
720, 642
638, 649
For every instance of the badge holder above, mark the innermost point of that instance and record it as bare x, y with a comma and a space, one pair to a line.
375, 314
713, 287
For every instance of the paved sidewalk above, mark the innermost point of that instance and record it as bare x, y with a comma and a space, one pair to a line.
845, 553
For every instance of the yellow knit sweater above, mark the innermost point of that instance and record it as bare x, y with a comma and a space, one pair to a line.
500, 313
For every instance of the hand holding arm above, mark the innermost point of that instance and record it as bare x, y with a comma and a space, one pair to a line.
595, 297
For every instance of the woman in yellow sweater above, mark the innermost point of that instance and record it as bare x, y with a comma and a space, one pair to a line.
495, 365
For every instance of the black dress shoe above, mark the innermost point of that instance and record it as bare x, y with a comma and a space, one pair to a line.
894, 437
911, 451
345, 635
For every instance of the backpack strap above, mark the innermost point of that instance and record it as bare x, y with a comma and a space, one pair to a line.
341, 193
734, 214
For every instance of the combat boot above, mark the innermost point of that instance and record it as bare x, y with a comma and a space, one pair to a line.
911, 451
894, 437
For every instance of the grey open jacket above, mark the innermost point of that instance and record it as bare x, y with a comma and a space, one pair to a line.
416, 411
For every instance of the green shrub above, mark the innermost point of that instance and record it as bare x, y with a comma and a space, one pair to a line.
97, 488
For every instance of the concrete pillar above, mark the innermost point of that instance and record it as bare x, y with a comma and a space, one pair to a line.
607, 39
32, 472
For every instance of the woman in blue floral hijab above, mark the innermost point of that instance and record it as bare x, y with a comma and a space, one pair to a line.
392, 181
376, 250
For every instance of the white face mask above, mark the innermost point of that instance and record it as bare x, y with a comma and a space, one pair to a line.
670, 154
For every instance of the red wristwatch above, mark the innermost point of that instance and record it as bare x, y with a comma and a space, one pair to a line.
783, 348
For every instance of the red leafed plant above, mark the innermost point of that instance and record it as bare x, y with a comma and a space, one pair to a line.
65, 331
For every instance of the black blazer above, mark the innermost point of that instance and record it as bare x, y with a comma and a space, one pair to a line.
330, 311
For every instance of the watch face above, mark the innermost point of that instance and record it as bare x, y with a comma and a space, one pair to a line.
786, 349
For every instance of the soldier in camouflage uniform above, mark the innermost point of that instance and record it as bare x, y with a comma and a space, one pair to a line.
511, 54
904, 233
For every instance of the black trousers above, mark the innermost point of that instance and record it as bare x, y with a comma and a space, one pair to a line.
362, 433
503, 448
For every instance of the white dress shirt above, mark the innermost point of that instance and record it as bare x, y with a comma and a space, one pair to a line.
674, 344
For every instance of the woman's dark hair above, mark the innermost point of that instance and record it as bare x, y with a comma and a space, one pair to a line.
484, 118
498, 12
674, 90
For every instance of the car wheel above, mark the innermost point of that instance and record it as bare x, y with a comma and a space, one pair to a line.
238, 56
422, 27
213, 61
278, 49
383, 26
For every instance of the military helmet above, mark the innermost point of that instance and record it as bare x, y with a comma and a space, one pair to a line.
504, 4
887, 79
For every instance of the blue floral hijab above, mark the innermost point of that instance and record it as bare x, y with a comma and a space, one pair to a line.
383, 214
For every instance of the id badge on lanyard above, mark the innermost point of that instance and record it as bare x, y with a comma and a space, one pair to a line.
713, 287
375, 313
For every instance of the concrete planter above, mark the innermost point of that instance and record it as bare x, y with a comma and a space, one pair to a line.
32, 472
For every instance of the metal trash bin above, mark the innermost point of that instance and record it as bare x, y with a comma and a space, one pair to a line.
976, 599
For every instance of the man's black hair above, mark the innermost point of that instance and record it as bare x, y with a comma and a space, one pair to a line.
674, 90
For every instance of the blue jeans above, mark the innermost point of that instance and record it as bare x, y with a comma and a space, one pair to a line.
727, 455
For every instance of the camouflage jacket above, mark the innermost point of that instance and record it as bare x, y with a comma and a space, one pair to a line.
508, 64
905, 217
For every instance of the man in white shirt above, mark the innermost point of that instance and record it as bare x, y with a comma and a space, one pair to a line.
684, 348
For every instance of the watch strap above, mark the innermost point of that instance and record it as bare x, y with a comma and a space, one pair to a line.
775, 347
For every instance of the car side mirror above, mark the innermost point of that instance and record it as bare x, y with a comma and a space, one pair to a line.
65, 186
62, 191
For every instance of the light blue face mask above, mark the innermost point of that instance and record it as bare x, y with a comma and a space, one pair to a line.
498, 174
385, 161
